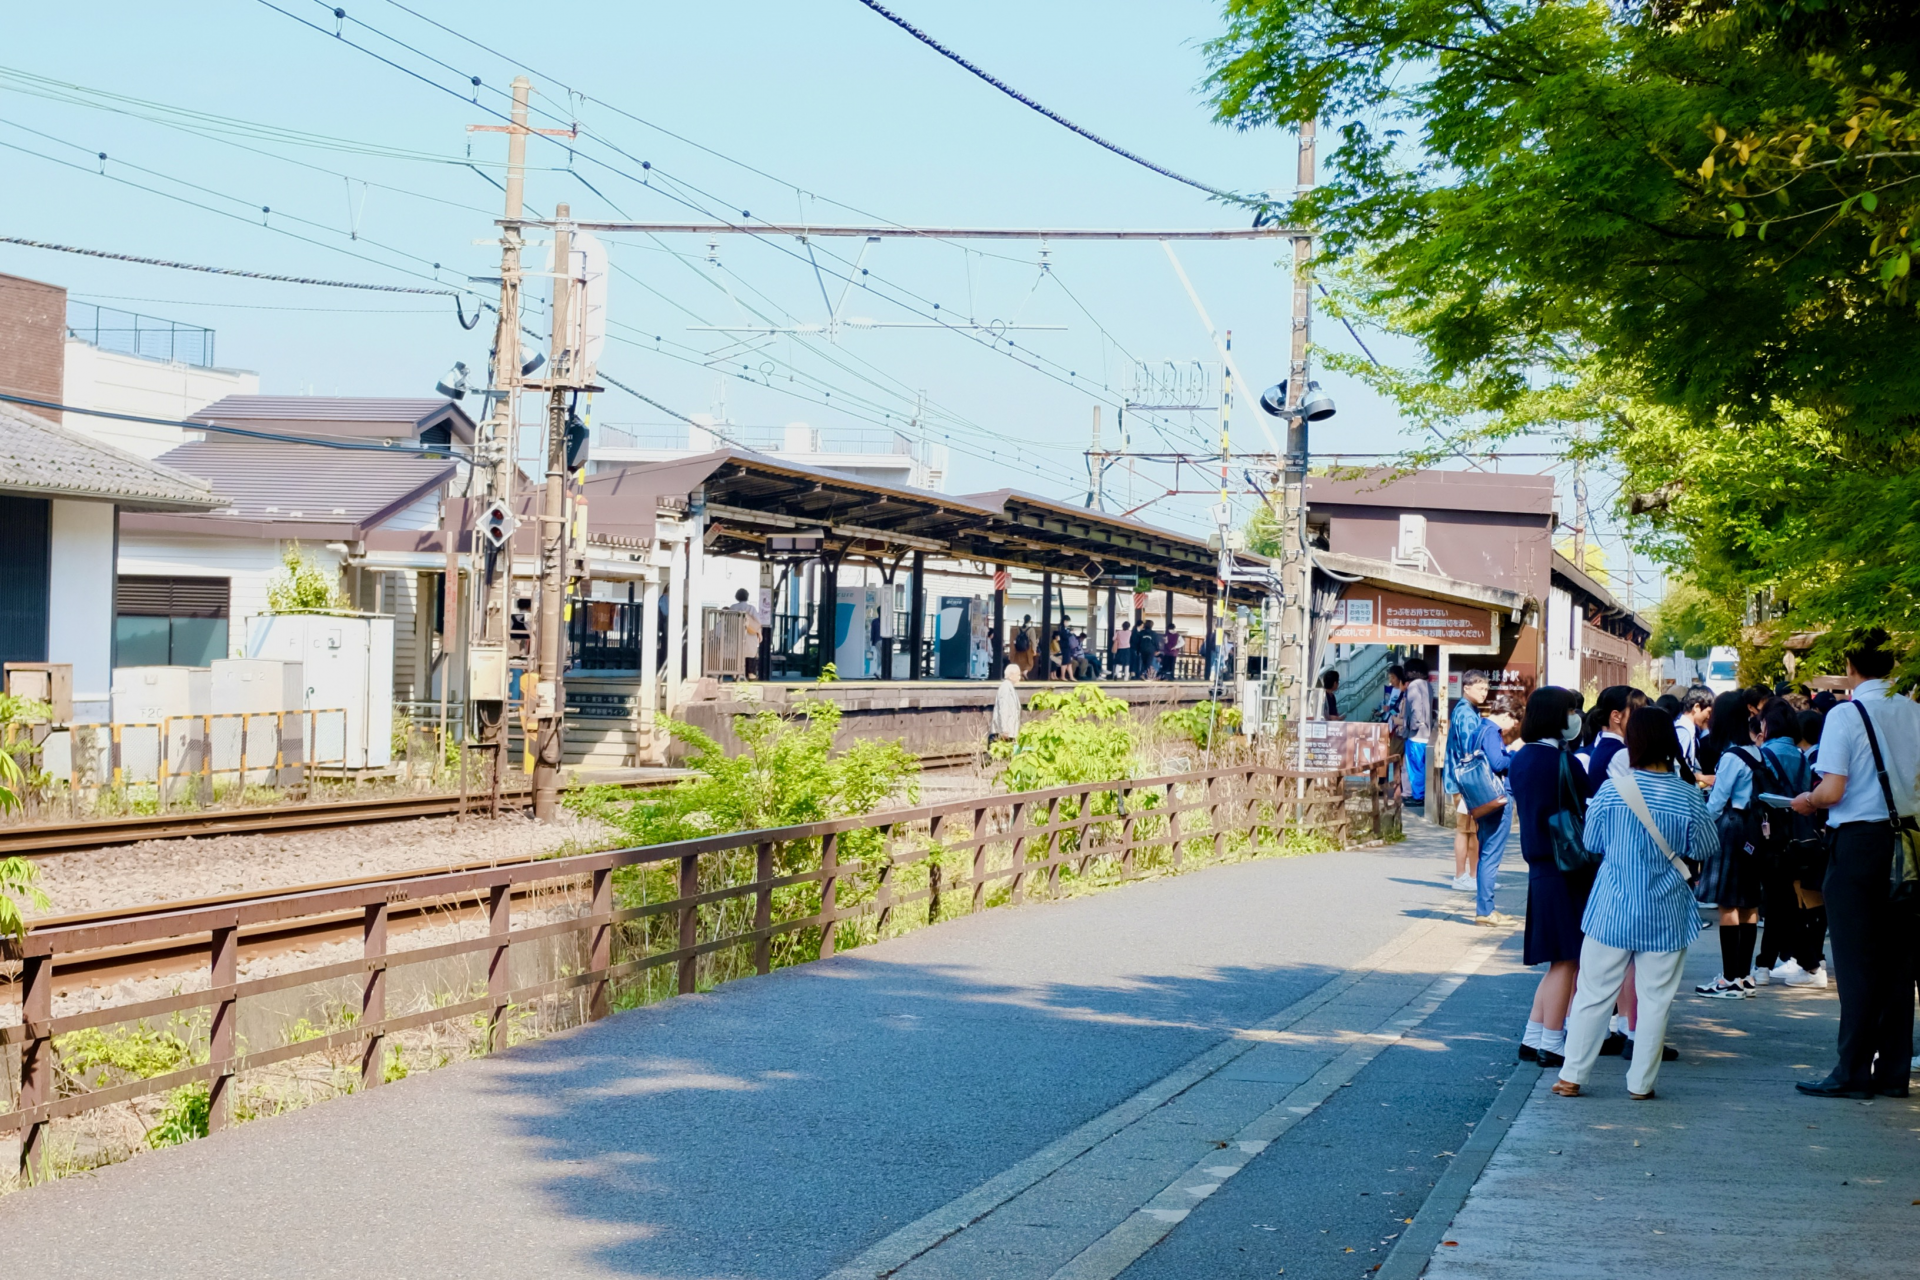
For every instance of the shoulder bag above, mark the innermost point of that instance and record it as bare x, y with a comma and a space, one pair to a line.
1479, 786
1629, 788
1903, 883
1566, 825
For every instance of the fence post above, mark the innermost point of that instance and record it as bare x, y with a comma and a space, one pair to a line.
499, 921
1051, 847
1213, 816
601, 958
763, 907
114, 759
689, 918
979, 859
829, 891
1018, 860
1173, 821
933, 868
373, 997
224, 958
1126, 831
883, 883
36, 1060
240, 787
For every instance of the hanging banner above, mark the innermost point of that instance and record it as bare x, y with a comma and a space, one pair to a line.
1371, 615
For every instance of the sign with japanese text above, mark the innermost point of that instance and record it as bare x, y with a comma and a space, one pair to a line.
1370, 615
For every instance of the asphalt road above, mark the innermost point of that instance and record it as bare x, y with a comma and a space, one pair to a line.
787, 1126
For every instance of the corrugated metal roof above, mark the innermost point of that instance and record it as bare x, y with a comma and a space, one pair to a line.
307, 484
42, 458
412, 410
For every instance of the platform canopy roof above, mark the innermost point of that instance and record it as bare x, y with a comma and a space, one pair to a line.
750, 498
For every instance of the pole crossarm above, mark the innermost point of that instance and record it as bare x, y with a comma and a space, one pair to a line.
934, 233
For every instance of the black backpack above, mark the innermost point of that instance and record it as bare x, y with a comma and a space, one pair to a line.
1791, 839
1566, 825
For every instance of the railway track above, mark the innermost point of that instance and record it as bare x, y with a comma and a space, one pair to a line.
39, 839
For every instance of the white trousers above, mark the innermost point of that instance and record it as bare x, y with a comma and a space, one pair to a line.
1603, 969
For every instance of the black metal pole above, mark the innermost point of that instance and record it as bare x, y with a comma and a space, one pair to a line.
829, 605
1113, 603
916, 619
1046, 626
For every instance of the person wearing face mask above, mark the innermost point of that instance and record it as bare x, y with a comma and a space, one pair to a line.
1545, 780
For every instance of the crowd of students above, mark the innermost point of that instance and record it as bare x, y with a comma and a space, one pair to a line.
1780, 814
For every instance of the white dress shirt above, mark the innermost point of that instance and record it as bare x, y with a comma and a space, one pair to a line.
1844, 750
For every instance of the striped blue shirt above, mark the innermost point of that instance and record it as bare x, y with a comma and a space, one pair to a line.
1639, 901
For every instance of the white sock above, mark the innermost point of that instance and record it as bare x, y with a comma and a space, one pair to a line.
1616, 1024
1534, 1031
1629, 1031
1554, 1041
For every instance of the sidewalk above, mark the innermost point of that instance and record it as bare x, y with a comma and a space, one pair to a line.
1729, 1172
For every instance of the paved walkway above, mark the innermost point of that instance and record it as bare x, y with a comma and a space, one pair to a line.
1290, 1067
1728, 1172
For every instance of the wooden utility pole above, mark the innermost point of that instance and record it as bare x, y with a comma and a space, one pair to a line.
563, 357
496, 460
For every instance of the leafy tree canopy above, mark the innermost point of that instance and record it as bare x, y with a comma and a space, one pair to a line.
1678, 232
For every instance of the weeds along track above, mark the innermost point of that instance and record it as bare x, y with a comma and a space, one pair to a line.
37, 839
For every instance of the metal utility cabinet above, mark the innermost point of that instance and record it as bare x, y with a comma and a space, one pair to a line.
346, 661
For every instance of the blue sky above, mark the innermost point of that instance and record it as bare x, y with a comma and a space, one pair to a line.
851, 118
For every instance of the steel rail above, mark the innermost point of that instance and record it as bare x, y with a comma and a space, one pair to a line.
41, 839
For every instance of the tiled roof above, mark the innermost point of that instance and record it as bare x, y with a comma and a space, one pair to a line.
410, 410
306, 484
42, 458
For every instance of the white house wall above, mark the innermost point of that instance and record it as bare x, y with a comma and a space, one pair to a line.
249, 565
118, 383
80, 603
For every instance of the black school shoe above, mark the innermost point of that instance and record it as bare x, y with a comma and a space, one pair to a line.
1831, 1088
1667, 1052
1614, 1045
1549, 1060
1529, 1054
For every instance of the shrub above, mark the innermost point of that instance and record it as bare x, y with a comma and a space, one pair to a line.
1088, 737
789, 774
302, 586
1204, 723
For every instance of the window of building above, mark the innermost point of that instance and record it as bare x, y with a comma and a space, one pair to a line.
169, 622
24, 577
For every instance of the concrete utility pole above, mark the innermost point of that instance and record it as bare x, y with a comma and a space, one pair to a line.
499, 436
550, 702
1293, 680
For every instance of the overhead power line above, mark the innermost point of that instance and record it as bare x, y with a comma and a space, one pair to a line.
1054, 116
228, 271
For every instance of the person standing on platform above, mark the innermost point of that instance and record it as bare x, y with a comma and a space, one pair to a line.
1869, 757
1419, 721
1146, 648
1644, 822
1546, 781
1123, 667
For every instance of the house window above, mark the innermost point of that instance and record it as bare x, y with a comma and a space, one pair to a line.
24, 577
169, 622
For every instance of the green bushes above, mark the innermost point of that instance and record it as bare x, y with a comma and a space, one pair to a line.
1205, 724
1087, 737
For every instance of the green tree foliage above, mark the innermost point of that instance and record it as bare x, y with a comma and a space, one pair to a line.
1563, 203
789, 774
1690, 621
1087, 736
302, 586
17, 876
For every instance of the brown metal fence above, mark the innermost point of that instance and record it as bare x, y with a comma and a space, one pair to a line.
573, 938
